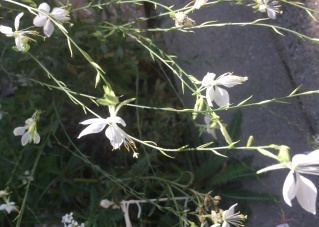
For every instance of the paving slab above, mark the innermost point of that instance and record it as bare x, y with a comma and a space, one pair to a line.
275, 66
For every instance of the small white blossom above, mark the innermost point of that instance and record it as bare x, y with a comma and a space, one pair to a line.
20, 37
199, 3
42, 20
216, 93
301, 188
26, 177
9, 207
28, 132
113, 132
231, 218
270, 6
67, 219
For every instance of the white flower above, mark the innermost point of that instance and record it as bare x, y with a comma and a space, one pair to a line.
217, 94
19, 36
42, 20
230, 218
68, 218
210, 130
302, 188
270, 7
9, 207
113, 132
28, 132
199, 3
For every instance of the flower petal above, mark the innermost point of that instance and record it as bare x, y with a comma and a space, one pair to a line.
94, 121
40, 20
208, 79
230, 80
37, 138
116, 135
6, 30
44, 7
25, 138
19, 131
210, 95
17, 21
306, 194
221, 97
48, 28
117, 120
18, 42
271, 13
199, 3
60, 14
95, 127
289, 188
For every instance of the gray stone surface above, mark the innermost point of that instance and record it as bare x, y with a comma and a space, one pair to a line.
275, 66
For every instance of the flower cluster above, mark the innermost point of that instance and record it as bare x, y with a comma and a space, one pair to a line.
68, 221
43, 19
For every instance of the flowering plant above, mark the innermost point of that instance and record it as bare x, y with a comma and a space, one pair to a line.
90, 57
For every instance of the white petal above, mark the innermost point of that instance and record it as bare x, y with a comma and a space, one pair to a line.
48, 28
221, 97
94, 121
19, 131
273, 167
116, 135
40, 20
93, 128
289, 188
117, 120
262, 8
44, 7
18, 42
225, 224
230, 80
306, 194
6, 30
17, 21
208, 79
271, 13
60, 14
199, 3
37, 138
230, 211
210, 95
25, 138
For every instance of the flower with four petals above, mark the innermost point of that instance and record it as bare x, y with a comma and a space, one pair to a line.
270, 7
20, 37
28, 132
9, 207
113, 132
42, 20
216, 93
